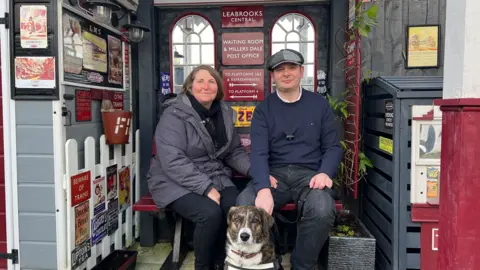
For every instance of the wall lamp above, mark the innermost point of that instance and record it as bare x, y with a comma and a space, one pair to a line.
102, 9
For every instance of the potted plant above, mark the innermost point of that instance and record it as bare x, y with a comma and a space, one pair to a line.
116, 123
350, 245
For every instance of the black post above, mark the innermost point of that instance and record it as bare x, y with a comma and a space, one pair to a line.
146, 97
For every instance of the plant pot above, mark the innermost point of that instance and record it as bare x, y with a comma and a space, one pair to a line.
349, 252
119, 260
116, 126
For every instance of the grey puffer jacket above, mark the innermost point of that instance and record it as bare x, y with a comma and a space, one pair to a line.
186, 160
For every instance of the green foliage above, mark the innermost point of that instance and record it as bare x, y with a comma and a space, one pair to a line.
364, 21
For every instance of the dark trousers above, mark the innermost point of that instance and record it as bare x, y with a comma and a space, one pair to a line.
317, 217
210, 221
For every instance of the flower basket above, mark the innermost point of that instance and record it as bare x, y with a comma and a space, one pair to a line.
116, 124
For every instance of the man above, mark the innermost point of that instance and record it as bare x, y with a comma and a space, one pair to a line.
295, 150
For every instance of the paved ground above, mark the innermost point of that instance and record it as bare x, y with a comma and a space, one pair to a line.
152, 258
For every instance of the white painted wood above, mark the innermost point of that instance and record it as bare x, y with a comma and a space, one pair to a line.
462, 40
99, 170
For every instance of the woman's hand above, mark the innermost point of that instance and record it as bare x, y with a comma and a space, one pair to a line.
214, 195
273, 182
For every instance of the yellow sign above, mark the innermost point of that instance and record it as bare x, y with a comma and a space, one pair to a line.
244, 115
422, 46
385, 144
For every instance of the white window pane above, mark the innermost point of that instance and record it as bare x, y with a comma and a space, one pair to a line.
193, 55
308, 75
193, 38
307, 33
178, 54
293, 37
299, 22
286, 22
177, 35
308, 51
179, 75
278, 34
178, 89
208, 54
293, 46
207, 35
199, 24
277, 47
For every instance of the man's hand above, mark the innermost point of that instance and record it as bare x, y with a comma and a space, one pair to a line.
214, 195
273, 182
320, 181
265, 200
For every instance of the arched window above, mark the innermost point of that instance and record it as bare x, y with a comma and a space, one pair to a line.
295, 31
193, 44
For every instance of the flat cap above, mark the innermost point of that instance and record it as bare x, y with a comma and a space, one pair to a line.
284, 56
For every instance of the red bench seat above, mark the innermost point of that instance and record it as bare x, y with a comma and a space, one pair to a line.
146, 204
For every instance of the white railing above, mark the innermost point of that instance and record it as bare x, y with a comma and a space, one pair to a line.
95, 194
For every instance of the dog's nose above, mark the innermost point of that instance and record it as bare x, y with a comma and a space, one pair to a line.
244, 236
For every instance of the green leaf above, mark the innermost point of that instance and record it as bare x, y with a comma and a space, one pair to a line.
344, 146
362, 32
345, 112
372, 12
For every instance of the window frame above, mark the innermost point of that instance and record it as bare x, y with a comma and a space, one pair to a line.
170, 49
315, 46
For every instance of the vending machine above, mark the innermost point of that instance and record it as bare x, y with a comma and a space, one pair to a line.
425, 179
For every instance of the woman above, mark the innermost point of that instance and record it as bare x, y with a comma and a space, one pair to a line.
196, 144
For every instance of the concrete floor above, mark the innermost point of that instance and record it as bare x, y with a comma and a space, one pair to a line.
153, 258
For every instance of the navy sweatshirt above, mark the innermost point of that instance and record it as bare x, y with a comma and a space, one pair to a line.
311, 128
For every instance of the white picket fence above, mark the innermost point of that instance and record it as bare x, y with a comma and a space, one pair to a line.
84, 228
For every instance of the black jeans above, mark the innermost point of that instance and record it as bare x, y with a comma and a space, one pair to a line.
210, 224
317, 217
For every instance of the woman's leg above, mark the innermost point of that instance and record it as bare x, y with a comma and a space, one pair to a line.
228, 198
208, 218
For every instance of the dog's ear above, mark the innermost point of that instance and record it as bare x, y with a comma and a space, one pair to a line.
231, 213
267, 222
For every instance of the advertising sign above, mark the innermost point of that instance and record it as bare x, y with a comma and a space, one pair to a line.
81, 187
244, 115
242, 16
83, 105
93, 55
243, 84
243, 48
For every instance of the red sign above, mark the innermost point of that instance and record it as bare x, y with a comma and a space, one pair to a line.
242, 48
243, 84
117, 100
242, 16
435, 239
80, 187
83, 105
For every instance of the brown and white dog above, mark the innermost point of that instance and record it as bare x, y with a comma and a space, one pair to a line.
248, 239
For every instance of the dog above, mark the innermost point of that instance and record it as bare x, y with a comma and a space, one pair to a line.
248, 239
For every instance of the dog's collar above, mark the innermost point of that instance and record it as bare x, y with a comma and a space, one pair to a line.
244, 254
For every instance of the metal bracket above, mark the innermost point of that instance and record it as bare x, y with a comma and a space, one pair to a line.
5, 20
10, 256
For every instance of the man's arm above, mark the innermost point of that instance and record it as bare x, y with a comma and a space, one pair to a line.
259, 150
332, 152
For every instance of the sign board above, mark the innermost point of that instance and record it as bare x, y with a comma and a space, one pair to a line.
245, 48
242, 16
389, 113
244, 115
80, 187
243, 84
435, 239
83, 105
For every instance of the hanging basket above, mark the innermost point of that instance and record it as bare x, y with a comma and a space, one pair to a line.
116, 126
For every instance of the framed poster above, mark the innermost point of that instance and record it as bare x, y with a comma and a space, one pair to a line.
423, 46
93, 55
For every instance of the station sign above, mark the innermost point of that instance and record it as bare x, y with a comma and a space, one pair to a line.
242, 16
245, 48
243, 84
244, 115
